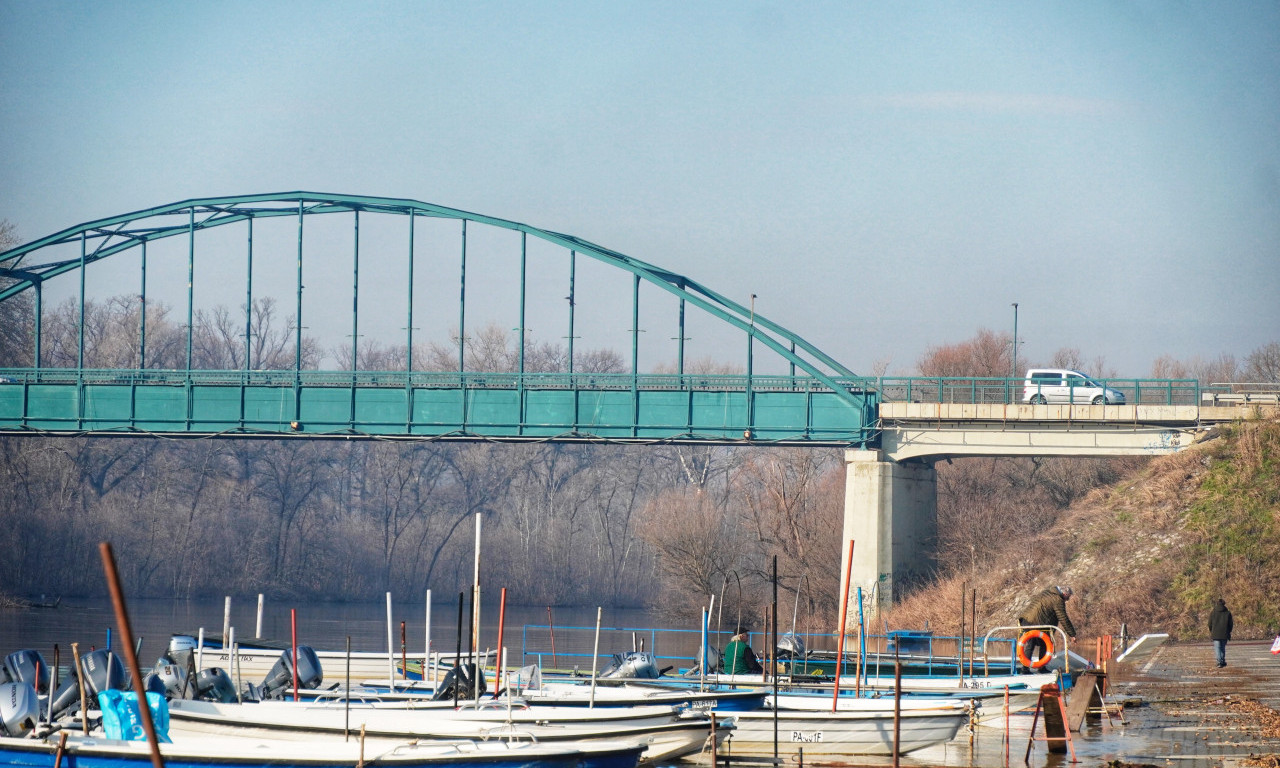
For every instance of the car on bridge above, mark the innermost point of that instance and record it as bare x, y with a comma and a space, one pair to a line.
1062, 385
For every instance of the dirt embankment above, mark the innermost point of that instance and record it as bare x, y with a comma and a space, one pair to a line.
1150, 553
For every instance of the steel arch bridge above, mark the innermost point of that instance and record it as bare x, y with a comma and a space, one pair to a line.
817, 402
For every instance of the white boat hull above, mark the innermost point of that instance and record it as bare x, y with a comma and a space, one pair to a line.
843, 733
666, 736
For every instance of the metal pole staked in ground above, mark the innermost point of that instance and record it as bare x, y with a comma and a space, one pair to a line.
126, 635
1014, 373
844, 612
773, 648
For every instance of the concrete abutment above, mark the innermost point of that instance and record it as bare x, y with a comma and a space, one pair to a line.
890, 512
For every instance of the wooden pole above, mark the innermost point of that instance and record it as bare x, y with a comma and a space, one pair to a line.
595, 656
973, 617
126, 636
552, 626
844, 613
84, 706
457, 654
293, 640
502, 618
62, 747
897, 707
391, 650
773, 652
964, 593
346, 699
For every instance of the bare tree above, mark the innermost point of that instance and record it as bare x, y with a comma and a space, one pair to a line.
986, 354
17, 313
219, 341
699, 544
1262, 366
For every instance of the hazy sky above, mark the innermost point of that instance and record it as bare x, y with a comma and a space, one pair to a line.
885, 176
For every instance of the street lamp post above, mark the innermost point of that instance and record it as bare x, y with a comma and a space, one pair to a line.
1014, 372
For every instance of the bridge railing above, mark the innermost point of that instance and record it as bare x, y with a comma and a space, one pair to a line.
429, 380
997, 390
911, 389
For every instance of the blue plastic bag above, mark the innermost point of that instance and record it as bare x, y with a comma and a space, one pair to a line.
122, 719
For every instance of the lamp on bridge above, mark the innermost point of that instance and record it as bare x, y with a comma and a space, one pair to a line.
1013, 374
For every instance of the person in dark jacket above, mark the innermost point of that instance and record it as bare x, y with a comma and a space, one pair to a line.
1220, 625
1048, 609
738, 657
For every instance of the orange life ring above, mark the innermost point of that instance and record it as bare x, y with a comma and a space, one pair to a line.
1035, 634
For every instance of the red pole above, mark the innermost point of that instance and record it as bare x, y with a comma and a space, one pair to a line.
844, 614
502, 616
293, 622
552, 626
130, 656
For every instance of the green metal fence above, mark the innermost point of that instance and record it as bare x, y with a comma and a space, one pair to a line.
997, 390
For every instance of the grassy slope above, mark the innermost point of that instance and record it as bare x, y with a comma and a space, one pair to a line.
1152, 551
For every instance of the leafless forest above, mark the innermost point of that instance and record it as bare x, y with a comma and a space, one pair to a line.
563, 524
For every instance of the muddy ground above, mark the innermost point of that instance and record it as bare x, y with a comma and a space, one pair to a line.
1190, 712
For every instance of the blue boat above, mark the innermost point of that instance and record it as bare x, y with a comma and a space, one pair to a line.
223, 751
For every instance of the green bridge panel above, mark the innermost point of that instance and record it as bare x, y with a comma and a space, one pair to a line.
506, 413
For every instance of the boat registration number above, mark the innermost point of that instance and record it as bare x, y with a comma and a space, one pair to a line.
806, 737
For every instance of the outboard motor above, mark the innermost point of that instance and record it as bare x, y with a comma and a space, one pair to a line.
713, 655
279, 680
153, 684
462, 678
182, 649
24, 667
171, 678
19, 709
526, 678
637, 664
101, 670
790, 646
213, 684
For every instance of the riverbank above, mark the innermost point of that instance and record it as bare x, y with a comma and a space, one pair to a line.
1179, 711
1208, 716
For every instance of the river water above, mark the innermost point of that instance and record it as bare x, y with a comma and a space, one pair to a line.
1146, 735
324, 625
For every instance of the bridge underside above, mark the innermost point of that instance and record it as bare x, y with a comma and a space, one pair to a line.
891, 493
445, 406
932, 431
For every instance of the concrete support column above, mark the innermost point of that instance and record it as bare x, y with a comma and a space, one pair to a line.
890, 511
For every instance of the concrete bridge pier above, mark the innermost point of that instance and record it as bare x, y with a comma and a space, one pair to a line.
890, 511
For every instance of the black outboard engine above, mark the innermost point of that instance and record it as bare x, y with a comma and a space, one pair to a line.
279, 681
24, 667
101, 670
19, 709
637, 664
790, 646
213, 684
462, 679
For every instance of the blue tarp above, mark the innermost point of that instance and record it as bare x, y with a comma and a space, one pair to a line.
122, 719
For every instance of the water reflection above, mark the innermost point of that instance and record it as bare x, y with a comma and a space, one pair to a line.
88, 621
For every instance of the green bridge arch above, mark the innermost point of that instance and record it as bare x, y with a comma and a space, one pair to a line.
819, 402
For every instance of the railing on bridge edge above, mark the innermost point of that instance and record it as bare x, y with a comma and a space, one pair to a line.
996, 390
430, 380
911, 389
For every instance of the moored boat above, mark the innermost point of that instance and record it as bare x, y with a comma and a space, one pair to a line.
665, 737
80, 751
868, 730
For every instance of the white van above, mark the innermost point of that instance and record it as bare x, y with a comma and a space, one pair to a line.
1060, 385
